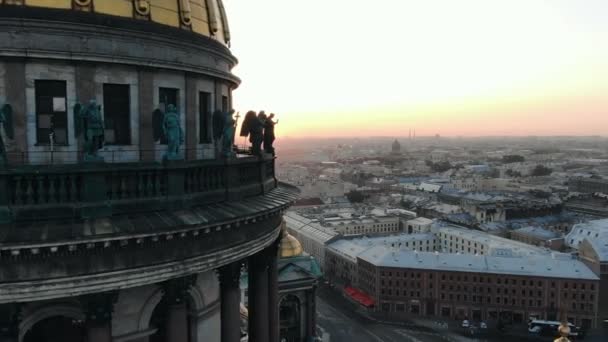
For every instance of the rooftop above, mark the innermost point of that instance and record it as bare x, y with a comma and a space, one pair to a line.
309, 228
540, 266
495, 243
537, 232
353, 247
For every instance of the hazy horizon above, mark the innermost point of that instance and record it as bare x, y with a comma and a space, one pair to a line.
468, 68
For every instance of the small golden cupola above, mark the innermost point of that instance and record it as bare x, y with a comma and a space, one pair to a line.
290, 246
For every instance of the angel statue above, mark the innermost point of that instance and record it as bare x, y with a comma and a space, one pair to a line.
88, 120
254, 128
167, 129
6, 122
229, 130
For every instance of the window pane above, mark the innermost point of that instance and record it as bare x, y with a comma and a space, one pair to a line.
51, 111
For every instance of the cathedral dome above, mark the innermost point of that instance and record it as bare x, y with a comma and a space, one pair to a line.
396, 147
203, 17
290, 246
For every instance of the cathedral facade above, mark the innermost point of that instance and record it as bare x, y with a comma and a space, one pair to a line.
128, 246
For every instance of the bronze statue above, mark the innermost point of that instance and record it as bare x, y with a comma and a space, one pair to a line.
253, 126
229, 130
6, 122
269, 133
167, 129
88, 120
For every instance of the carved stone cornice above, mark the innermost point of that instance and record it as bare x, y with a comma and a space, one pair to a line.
72, 286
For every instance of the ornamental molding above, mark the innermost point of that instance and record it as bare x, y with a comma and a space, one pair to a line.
142, 7
117, 280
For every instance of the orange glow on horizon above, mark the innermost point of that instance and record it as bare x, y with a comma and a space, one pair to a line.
467, 68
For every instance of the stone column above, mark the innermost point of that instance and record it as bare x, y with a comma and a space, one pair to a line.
176, 294
273, 292
98, 310
258, 298
311, 313
230, 302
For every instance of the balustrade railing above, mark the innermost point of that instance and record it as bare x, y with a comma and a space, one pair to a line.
36, 188
61, 155
31, 191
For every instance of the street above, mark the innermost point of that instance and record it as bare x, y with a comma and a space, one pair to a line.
343, 321
340, 322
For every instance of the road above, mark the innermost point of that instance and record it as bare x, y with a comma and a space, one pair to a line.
340, 322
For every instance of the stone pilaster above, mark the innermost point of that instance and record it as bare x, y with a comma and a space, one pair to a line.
15, 96
229, 276
98, 309
146, 107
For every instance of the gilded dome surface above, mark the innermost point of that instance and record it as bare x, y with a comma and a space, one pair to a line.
205, 17
290, 246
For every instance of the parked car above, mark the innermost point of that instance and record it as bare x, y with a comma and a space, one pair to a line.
465, 323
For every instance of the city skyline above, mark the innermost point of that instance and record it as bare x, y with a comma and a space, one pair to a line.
475, 68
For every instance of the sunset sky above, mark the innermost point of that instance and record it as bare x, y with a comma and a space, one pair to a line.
455, 68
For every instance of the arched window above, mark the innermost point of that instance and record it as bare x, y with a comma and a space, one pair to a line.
290, 318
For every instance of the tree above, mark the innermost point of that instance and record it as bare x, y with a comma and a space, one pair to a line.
512, 158
541, 170
355, 196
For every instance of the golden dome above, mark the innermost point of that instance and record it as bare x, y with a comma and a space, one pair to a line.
205, 17
290, 246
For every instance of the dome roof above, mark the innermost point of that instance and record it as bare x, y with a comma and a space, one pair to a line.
396, 147
290, 246
205, 17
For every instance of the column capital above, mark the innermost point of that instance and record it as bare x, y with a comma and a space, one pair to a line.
230, 275
176, 290
98, 307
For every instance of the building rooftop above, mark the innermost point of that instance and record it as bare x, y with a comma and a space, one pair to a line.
537, 232
420, 221
308, 227
591, 229
596, 232
495, 243
540, 266
351, 248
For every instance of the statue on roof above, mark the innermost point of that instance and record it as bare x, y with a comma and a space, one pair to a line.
269, 136
253, 126
89, 123
6, 130
228, 132
168, 129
